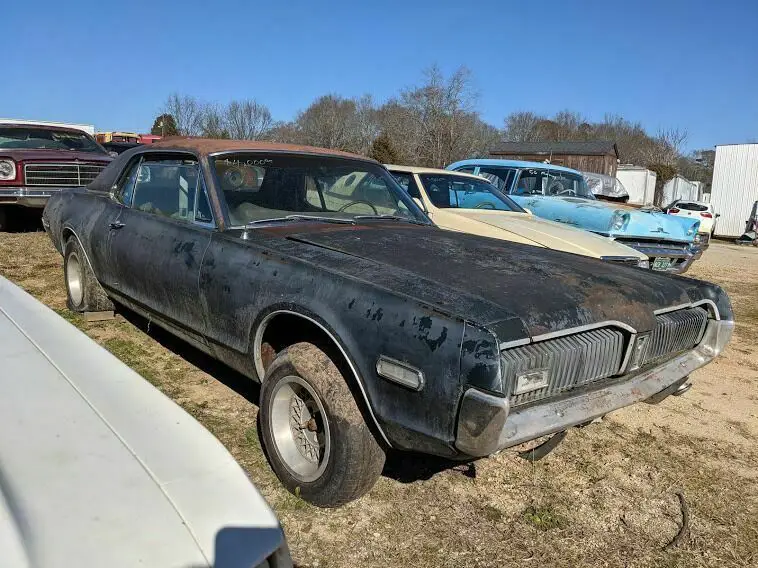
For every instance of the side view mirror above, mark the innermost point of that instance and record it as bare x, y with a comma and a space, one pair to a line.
528, 210
113, 154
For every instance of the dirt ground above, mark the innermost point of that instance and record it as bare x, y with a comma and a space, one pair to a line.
605, 497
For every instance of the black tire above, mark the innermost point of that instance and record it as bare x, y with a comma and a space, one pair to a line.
354, 460
83, 291
3, 218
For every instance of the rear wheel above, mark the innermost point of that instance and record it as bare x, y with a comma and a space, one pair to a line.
84, 293
312, 430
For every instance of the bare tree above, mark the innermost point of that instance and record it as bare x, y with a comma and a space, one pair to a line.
212, 121
328, 122
521, 126
187, 112
247, 120
440, 110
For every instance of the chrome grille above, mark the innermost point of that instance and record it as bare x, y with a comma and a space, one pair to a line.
570, 361
676, 331
60, 174
656, 247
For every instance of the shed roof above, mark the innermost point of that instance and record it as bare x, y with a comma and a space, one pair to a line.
566, 147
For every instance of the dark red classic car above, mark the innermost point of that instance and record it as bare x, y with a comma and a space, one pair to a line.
37, 161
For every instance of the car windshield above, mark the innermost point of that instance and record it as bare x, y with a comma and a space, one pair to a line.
559, 183
48, 139
258, 187
689, 206
462, 192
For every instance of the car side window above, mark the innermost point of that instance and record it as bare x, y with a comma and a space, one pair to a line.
407, 182
167, 187
125, 187
203, 212
501, 178
529, 182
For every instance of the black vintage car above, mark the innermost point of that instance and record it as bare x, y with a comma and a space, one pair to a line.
369, 328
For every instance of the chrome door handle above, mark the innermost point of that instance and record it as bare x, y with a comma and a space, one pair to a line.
117, 225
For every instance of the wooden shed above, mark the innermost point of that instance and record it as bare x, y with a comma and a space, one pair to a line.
598, 156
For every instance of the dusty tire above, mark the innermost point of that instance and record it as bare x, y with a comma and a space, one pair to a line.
83, 291
313, 432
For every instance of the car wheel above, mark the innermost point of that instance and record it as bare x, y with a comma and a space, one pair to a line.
83, 291
3, 219
312, 430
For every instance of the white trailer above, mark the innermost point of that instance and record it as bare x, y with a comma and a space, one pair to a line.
735, 187
639, 183
88, 128
679, 187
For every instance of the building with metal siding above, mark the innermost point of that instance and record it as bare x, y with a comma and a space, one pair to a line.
734, 190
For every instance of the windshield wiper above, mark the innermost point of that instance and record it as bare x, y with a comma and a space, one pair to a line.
392, 218
289, 218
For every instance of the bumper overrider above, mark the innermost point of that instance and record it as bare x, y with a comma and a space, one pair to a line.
27, 196
487, 424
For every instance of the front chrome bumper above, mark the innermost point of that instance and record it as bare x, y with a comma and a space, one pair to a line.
27, 196
486, 425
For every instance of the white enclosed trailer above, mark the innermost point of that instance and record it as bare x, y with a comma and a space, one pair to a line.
639, 183
735, 187
677, 188
88, 128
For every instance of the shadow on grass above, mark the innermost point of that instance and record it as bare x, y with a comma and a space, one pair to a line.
407, 467
22, 219
236, 381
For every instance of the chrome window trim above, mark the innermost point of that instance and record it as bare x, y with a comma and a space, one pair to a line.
258, 360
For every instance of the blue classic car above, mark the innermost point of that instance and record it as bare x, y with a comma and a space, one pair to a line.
561, 194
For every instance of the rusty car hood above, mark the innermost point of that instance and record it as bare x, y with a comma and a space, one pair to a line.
547, 290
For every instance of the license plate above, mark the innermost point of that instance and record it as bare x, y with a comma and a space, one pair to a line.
661, 263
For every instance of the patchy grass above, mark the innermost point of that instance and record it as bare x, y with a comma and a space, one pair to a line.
604, 497
544, 518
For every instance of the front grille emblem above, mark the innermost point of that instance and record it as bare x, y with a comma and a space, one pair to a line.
639, 351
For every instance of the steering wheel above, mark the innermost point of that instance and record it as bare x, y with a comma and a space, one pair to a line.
359, 201
485, 205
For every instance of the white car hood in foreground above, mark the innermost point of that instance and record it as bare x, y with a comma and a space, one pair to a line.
549, 234
98, 468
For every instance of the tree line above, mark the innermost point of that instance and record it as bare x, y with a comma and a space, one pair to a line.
433, 123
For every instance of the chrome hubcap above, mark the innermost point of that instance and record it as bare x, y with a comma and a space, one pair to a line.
74, 279
300, 428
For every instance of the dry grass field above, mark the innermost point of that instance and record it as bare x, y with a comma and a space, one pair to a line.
605, 497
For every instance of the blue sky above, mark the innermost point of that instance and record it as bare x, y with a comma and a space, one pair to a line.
688, 64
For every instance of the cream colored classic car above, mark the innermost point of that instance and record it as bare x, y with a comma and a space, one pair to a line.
470, 204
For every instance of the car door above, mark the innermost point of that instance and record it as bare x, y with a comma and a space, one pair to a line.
157, 242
